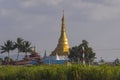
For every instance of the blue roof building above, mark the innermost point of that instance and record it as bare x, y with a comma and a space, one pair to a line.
55, 59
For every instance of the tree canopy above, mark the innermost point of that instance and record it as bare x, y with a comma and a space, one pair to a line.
76, 53
7, 47
20, 44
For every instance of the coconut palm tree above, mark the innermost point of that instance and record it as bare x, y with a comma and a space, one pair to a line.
7, 47
18, 45
26, 47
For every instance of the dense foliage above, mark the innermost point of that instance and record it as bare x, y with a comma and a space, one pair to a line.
20, 44
76, 53
60, 72
7, 47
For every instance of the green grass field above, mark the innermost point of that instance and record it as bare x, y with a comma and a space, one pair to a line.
60, 72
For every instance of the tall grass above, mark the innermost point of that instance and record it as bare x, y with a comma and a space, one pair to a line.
59, 72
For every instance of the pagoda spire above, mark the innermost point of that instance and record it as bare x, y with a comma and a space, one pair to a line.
63, 45
63, 23
34, 49
45, 54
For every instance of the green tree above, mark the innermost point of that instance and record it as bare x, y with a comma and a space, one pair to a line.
19, 45
1, 61
7, 47
76, 53
117, 61
26, 47
6, 59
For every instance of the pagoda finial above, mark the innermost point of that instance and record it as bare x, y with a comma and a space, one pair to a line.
63, 16
63, 12
63, 23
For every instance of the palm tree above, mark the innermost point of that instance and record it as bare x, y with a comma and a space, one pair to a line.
19, 45
7, 47
26, 47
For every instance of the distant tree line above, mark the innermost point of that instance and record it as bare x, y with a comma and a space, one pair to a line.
20, 44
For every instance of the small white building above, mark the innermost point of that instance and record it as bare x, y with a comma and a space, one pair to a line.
55, 59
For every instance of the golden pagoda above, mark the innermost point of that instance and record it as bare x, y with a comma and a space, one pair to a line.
62, 48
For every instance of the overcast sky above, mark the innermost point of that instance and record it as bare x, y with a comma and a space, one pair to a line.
39, 21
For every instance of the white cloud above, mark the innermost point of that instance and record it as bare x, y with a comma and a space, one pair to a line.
36, 3
112, 2
27, 3
104, 11
4, 12
53, 2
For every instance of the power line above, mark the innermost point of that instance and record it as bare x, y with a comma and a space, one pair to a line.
112, 49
